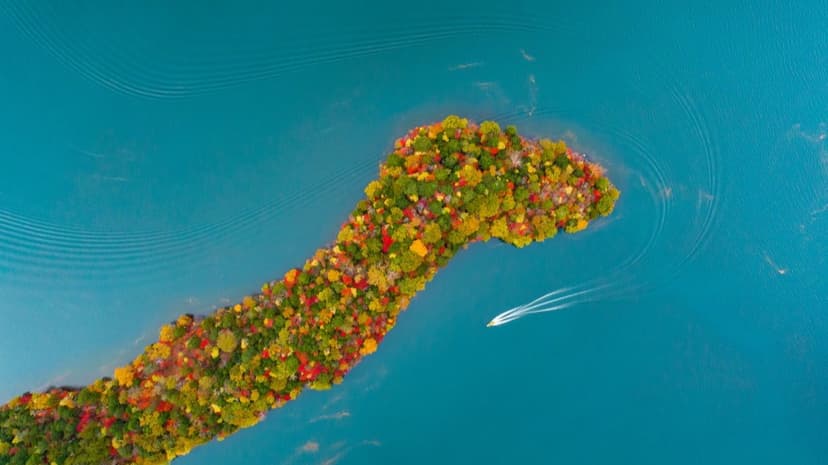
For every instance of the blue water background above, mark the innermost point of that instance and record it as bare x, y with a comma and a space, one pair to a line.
170, 157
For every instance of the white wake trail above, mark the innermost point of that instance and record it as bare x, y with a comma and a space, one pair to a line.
548, 302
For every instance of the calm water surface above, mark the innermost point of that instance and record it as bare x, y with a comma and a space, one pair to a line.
169, 158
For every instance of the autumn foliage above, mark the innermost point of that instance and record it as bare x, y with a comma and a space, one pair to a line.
443, 187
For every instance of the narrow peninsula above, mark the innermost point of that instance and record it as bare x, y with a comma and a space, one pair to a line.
444, 186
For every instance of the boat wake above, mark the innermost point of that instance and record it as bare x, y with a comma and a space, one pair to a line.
550, 302
677, 199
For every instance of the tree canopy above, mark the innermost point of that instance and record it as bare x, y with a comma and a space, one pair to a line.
443, 187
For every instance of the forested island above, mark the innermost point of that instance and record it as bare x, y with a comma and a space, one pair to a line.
443, 187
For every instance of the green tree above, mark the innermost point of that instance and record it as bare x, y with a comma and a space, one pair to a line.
408, 261
422, 144
227, 341
606, 203
432, 233
490, 129
454, 122
394, 160
561, 161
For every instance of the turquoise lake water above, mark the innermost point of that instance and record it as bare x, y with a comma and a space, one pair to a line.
171, 157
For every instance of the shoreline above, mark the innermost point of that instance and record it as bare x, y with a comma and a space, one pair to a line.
444, 186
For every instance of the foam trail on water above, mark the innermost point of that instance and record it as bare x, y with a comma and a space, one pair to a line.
547, 295
502, 319
544, 304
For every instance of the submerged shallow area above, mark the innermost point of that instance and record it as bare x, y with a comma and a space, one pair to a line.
444, 186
